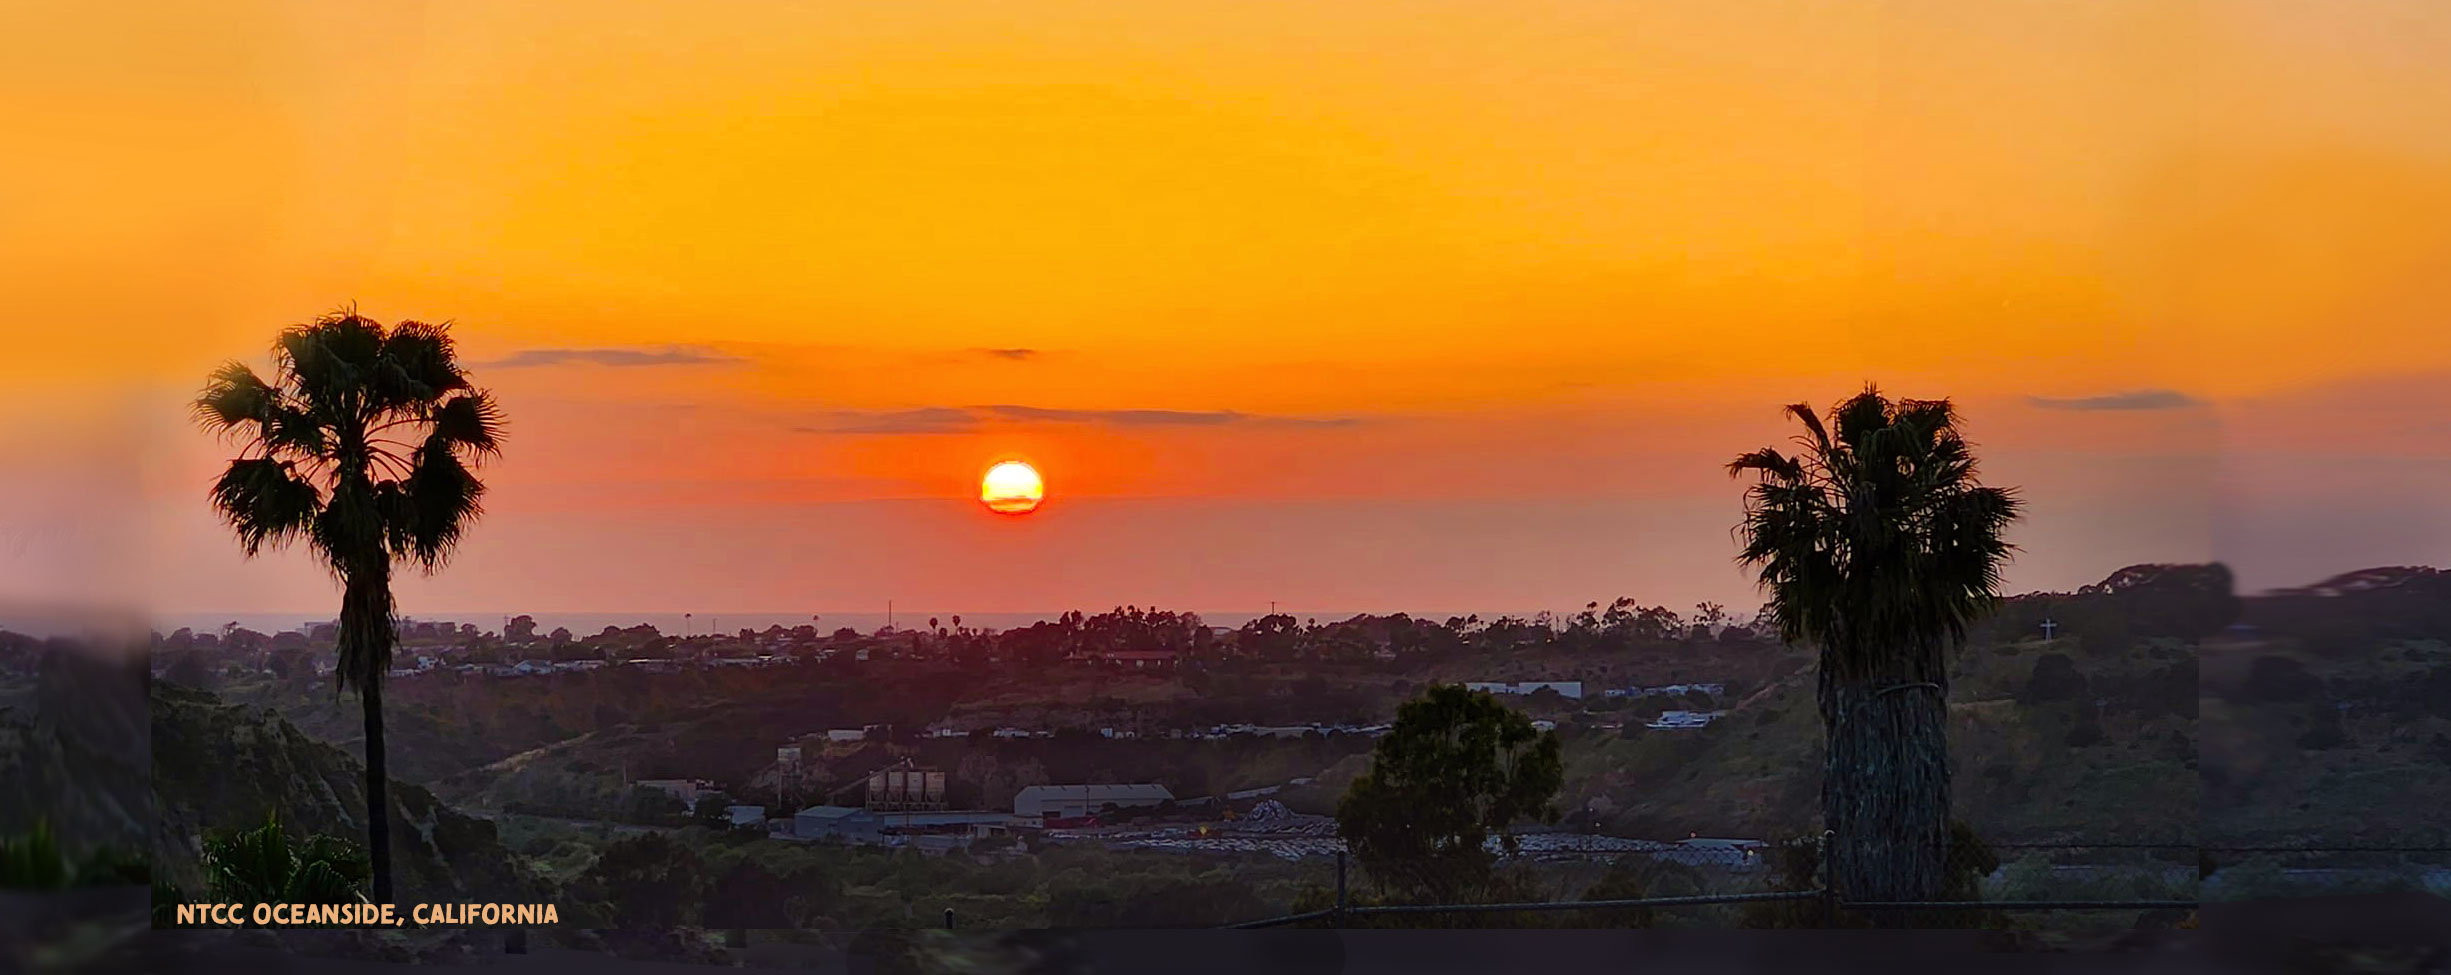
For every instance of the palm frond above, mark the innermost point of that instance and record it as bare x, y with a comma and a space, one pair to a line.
264, 502
442, 498
425, 357
1877, 539
471, 420
234, 395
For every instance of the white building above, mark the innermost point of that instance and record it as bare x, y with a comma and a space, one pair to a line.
686, 790
1075, 801
1571, 689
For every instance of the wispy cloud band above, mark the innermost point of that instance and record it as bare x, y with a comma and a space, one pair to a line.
2141, 399
964, 419
671, 355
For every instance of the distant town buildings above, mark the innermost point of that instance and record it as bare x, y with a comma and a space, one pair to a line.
1712, 688
1571, 689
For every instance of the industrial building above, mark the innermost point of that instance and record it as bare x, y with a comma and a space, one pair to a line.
853, 824
1075, 801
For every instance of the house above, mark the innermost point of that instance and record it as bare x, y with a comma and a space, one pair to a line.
686, 790
1140, 659
533, 667
745, 817
847, 734
1074, 801
1572, 689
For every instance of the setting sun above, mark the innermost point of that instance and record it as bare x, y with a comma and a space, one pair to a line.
1012, 488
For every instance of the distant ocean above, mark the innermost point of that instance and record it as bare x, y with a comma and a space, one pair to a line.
674, 624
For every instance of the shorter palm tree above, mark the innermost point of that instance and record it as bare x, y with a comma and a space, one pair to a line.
1878, 546
259, 866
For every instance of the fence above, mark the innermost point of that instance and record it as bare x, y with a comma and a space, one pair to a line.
2071, 888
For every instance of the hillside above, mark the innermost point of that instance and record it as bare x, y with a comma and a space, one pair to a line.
2086, 737
222, 766
72, 750
2327, 718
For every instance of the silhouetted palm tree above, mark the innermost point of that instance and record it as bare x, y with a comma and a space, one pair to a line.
361, 444
1878, 547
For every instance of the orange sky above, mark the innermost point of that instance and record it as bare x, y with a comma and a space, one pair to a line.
1471, 298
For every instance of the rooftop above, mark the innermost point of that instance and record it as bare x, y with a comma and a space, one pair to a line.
1096, 792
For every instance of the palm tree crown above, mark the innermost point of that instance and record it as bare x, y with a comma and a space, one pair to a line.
1875, 534
361, 443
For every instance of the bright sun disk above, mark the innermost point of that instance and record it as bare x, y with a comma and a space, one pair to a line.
1012, 488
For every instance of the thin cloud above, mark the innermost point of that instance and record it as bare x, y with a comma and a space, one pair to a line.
2142, 399
933, 419
953, 419
1157, 418
1015, 355
672, 355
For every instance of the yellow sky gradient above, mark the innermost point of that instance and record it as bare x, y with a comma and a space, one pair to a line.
1478, 254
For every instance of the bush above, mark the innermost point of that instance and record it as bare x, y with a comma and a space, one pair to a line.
2054, 678
2279, 680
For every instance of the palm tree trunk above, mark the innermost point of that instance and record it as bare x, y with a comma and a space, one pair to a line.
378, 798
367, 636
1885, 782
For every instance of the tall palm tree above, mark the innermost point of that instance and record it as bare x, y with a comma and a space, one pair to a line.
361, 444
1878, 547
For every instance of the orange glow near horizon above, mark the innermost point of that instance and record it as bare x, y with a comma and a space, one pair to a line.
1350, 304
1012, 488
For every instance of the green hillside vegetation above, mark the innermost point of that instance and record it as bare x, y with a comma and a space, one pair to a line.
2329, 724
2034, 757
220, 766
72, 751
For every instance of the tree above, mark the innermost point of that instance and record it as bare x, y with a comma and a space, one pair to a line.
748, 896
361, 444
712, 811
1878, 547
520, 629
1456, 768
649, 882
1623, 882
648, 806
